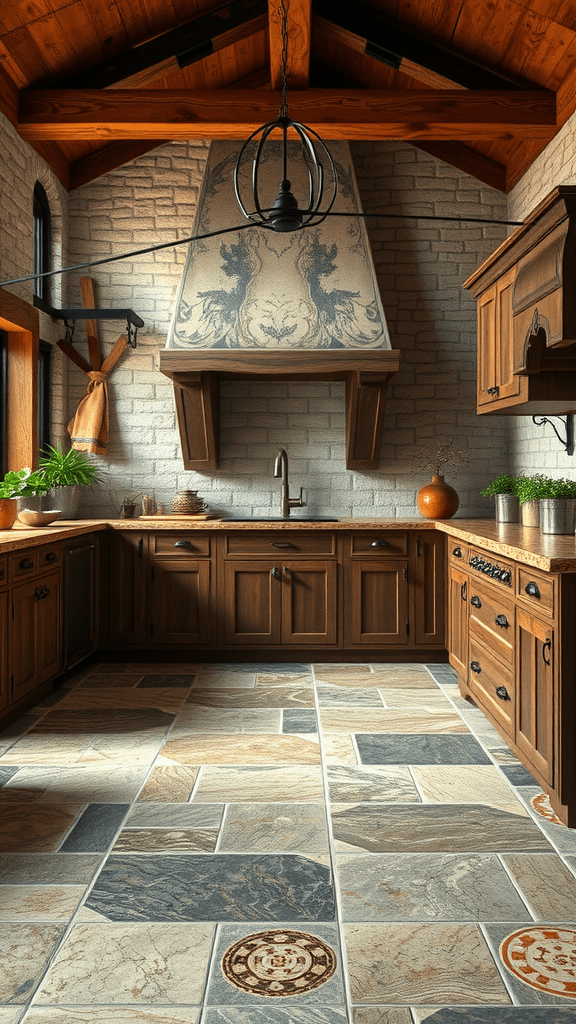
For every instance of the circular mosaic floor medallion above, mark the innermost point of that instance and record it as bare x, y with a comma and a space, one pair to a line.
544, 958
541, 804
278, 963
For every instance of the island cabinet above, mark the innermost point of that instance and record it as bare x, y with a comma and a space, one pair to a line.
34, 621
510, 638
278, 588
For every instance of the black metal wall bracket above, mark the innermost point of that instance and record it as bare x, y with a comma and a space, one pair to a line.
133, 321
568, 443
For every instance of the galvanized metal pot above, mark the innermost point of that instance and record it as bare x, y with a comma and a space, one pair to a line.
530, 512
507, 508
557, 515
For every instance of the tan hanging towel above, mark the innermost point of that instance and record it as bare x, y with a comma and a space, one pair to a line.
89, 427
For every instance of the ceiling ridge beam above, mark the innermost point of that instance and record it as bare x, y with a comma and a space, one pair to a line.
334, 113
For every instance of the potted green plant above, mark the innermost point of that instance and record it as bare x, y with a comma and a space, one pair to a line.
65, 474
506, 504
558, 506
529, 490
19, 483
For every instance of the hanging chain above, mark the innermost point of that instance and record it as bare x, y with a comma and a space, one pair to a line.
283, 112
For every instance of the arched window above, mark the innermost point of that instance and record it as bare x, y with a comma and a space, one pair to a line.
42, 245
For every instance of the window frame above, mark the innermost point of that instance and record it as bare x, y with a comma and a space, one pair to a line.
42, 247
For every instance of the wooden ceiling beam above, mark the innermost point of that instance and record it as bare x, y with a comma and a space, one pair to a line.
457, 154
334, 113
298, 15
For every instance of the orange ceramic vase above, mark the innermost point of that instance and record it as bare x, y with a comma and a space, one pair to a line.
8, 512
438, 500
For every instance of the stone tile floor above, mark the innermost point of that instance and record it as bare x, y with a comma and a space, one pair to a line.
276, 844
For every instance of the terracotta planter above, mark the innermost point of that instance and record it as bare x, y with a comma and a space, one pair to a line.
438, 500
8, 512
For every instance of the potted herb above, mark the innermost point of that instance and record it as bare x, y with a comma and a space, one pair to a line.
65, 474
504, 491
529, 490
20, 483
558, 506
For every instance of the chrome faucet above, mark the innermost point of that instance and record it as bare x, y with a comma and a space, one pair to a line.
281, 470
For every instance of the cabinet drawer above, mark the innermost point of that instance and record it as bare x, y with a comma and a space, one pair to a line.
179, 543
293, 543
457, 552
3, 572
23, 564
386, 542
492, 685
536, 590
49, 556
492, 620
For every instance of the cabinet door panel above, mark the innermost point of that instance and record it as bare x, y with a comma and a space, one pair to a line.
535, 686
251, 603
379, 598
459, 587
429, 589
3, 651
492, 684
23, 640
125, 594
309, 603
180, 605
48, 630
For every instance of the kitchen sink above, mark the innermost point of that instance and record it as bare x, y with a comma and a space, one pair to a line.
281, 519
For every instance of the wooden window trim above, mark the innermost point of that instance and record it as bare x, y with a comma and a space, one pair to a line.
20, 320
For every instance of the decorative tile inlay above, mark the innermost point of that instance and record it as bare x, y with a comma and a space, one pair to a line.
279, 963
544, 958
541, 804
213, 887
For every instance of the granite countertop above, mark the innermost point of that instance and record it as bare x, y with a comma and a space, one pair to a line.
551, 553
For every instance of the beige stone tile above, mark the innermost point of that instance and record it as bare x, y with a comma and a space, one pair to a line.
393, 784
251, 785
166, 840
195, 718
338, 748
83, 783
142, 963
121, 749
465, 784
381, 1015
114, 1015
422, 1012
382, 720
439, 964
225, 680
408, 697
172, 784
25, 951
10, 1014
39, 902
248, 749
166, 699
300, 681
40, 831
165, 668
546, 884
97, 681
275, 828
257, 697
39, 749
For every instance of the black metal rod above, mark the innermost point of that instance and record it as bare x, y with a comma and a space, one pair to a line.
568, 444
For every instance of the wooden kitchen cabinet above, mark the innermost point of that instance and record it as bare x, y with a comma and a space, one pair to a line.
458, 614
124, 590
4, 696
377, 598
279, 601
427, 580
535, 643
35, 633
496, 381
180, 602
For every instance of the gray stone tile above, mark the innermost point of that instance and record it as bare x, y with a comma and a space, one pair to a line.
220, 887
382, 1015
518, 775
6, 773
296, 721
222, 993
421, 887
501, 1015
420, 748
277, 827
274, 1015
96, 828
166, 680
156, 815
339, 696
435, 828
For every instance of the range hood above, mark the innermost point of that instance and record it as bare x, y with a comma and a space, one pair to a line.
260, 305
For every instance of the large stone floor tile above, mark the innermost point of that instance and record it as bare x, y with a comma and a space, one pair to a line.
417, 748
463, 783
114, 1015
228, 749
25, 952
259, 784
275, 827
39, 903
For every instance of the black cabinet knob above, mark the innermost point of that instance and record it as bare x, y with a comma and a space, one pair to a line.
502, 621
502, 693
182, 544
532, 589
378, 544
51, 556
475, 600
457, 552
26, 563
475, 666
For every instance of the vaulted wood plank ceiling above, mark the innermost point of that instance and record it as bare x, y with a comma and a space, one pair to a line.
483, 86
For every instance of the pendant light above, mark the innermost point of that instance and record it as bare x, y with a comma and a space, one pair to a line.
307, 151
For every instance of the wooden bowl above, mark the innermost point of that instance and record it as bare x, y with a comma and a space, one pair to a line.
30, 518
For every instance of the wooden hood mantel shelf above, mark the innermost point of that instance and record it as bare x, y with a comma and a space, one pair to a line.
196, 375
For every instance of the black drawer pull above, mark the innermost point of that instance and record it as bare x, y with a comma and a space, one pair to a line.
532, 589
280, 544
475, 666
182, 544
26, 563
546, 644
379, 544
275, 572
502, 693
464, 590
475, 600
140, 547
457, 552
502, 621
287, 573
51, 556
41, 592
493, 390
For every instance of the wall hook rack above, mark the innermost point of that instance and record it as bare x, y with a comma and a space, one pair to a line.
133, 321
568, 444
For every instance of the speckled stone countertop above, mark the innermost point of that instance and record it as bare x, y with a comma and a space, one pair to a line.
551, 553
